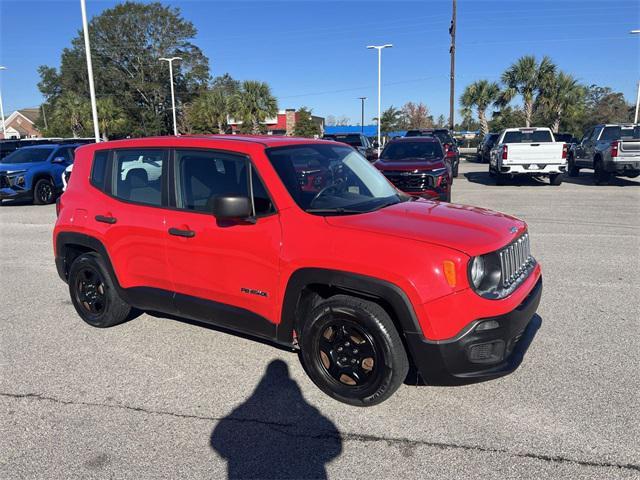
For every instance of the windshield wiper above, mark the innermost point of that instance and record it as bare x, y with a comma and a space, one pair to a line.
337, 210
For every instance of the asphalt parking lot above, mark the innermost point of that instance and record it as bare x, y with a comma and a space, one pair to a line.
158, 398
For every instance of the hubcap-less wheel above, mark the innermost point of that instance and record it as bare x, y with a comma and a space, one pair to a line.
348, 353
90, 291
44, 192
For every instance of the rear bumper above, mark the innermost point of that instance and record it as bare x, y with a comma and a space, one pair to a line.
477, 355
533, 169
623, 166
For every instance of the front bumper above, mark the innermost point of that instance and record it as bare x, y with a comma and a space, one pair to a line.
533, 169
11, 194
474, 355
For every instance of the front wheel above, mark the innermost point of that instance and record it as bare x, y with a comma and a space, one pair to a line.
352, 351
43, 192
600, 175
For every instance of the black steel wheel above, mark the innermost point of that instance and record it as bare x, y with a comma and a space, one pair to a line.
352, 351
43, 192
93, 293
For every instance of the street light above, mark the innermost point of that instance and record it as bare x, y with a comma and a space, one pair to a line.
4, 128
173, 98
379, 48
92, 91
635, 117
362, 99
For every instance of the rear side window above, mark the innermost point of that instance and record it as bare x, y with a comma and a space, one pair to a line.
99, 169
138, 175
202, 175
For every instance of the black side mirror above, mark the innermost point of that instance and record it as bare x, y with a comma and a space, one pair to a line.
231, 207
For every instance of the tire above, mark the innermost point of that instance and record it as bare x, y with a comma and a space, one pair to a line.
455, 170
93, 293
556, 179
600, 175
572, 170
352, 351
43, 192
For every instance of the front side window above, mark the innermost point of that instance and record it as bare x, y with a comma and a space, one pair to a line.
203, 175
332, 179
28, 155
137, 175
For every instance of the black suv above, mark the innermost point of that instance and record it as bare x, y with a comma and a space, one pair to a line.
449, 144
357, 140
485, 146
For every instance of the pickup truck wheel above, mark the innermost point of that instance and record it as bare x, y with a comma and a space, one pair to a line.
555, 179
455, 170
93, 293
43, 192
352, 351
600, 175
572, 170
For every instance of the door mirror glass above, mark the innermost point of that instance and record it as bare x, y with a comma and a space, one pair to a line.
231, 207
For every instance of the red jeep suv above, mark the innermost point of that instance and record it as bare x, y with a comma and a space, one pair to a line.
362, 280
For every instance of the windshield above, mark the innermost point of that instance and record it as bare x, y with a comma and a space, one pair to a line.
528, 136
332, 179
397, 151
28, 155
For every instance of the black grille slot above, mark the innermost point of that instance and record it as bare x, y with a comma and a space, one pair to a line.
4, 181
411, 181
515, 258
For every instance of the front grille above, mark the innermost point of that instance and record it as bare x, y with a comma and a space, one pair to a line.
411, 181
4, 181
515, 259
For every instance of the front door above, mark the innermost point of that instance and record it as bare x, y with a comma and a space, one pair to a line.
223, 272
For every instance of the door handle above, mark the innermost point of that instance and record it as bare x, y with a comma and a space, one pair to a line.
104, 219
182, 233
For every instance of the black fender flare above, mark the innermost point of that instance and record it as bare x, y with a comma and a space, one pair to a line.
64, 239
372, 287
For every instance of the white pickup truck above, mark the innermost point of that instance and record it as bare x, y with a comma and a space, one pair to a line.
528, 151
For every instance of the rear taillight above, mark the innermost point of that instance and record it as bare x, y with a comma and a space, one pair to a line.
450, 153
614, 148
505, 152
564, 151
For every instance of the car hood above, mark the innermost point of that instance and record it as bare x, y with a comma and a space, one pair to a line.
471, 230
410, 164
12, 167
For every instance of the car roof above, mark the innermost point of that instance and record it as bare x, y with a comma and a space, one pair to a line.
46, 145
415, 139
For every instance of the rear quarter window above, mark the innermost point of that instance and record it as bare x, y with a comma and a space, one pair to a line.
99, 169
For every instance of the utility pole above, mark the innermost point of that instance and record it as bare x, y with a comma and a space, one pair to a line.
362, 99
92, 91
4, 128
173, 97
452, 51
635, 117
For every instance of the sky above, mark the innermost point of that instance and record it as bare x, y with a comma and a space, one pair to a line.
313, 53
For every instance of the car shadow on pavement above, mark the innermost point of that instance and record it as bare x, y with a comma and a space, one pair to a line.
586, 178
275, 433
483, 178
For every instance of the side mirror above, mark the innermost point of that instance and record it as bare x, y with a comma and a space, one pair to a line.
59, 160
231, 207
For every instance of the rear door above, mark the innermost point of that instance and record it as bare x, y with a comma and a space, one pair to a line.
224, 272
131, 218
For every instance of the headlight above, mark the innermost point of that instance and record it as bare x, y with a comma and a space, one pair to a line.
477, 271
485, 275
19, 181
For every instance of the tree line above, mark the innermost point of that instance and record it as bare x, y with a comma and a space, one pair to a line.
550, 97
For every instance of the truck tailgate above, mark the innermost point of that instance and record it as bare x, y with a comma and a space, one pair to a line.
534, 153
629, 149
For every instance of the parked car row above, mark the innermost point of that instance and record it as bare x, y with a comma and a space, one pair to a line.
11, 145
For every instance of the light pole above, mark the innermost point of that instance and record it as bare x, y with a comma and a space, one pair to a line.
173, 98
362, 99
4, 128
635, 117
379, 48
92, 91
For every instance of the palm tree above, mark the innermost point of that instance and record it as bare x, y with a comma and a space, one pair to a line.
559, 95
254, 103
210, 111
72, 112
481, 95
392, 119
526, 77
112, 119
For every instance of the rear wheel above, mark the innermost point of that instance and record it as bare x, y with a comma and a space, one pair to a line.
43, 192
600, 175
455, 168
572, 170
555, 179
93, 293
352, 351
